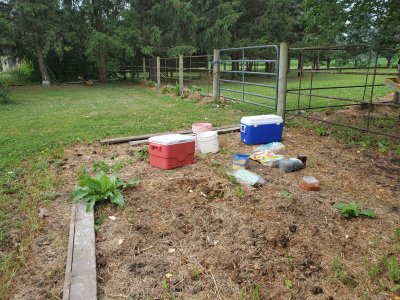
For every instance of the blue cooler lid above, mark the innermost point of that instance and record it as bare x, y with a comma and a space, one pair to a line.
261, 120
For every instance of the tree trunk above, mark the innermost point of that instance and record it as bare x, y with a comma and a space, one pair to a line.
317, 64
102, 67
235, 66
328, 63
42, 63
389, 62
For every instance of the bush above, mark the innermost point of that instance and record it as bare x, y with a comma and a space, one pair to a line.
4, 92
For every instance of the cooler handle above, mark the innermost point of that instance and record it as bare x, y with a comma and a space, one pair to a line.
242, 128
153, 147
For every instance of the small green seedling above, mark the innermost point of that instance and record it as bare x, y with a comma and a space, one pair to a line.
250, 293
353, 210
392, 268
374, 272
288, 283
101, 166
101, 188
287, 195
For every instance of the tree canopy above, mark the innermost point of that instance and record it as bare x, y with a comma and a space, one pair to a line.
109, 34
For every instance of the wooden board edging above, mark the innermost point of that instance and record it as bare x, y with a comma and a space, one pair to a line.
80, 270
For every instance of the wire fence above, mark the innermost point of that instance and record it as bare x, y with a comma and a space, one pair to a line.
355, 98
197, 71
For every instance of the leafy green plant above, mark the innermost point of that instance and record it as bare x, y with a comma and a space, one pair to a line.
101, 188
353, 210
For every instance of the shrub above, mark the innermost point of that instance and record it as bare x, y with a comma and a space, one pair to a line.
4, 92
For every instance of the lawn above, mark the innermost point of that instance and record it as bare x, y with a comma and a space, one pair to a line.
39, 119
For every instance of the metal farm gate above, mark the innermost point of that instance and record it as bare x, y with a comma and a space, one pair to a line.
250, 75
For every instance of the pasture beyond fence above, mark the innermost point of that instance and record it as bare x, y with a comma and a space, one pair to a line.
337, 85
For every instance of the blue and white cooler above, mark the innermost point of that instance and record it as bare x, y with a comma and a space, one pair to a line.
261, 129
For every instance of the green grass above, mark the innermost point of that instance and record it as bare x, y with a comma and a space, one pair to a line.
40, 119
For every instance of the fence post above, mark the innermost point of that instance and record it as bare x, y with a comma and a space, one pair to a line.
216, 74
180, 74
144, 68
158, 71
396, 97
283, 67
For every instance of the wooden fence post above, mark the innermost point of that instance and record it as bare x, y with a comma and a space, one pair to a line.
396, 97
180, 74
158, 71
282, 83
144, 69
216, 74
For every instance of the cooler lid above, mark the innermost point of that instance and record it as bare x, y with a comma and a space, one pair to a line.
261, 120
171, 139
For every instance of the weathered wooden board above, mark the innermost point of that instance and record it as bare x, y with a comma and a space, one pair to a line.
80, 272
146, 136
393, 83
221, 131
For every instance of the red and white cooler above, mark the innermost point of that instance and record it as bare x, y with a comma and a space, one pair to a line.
171, 151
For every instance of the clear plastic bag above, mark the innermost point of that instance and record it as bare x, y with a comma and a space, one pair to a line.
274, 147
248, 178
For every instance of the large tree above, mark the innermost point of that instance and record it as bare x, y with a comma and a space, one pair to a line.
36, 25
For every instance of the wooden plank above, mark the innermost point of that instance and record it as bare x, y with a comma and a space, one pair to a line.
146, 136
220, 131
68, 266
81, 279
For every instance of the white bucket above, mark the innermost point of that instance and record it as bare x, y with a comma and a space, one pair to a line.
208, 141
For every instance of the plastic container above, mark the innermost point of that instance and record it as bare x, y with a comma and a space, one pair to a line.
171, 151
208, 141
201, 127
239, 161
261, 129
309, 183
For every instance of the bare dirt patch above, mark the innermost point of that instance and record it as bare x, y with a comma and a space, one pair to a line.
191, 233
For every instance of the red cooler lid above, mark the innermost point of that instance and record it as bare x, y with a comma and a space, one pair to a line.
171, 139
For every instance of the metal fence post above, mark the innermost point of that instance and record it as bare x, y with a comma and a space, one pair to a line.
181, 74
283, 67
144, 68
158, 71
216, 74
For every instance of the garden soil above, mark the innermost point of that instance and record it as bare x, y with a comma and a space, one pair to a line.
192, 233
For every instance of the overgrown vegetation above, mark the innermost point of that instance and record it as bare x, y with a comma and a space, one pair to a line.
4, 92
102, 187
